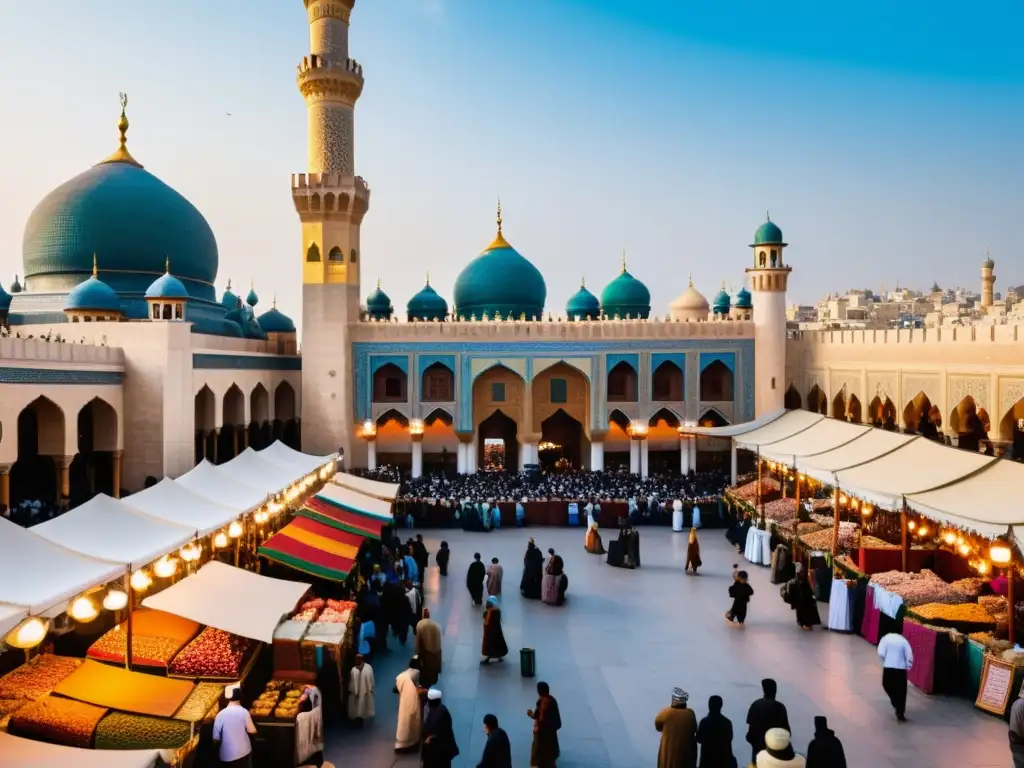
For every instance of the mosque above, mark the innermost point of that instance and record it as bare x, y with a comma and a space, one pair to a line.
119, 364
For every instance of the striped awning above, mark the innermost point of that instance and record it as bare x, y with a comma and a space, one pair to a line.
314, 547
346, 519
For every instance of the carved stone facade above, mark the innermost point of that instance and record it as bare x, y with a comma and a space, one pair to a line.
976, 387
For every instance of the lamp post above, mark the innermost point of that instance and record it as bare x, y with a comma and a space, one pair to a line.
416, 429
369, 434
638, 447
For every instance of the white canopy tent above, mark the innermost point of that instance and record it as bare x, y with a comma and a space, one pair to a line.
987, 501
823, 435
16, 752
107, 529
206, 480
357, 502
38, 575
172, 502
231, 599
385, 491
869, 446
250, 468
10, 617
734, 430
279, 453
788, 424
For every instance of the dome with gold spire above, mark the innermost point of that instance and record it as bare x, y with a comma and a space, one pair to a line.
500, 282
625, 296
131, 220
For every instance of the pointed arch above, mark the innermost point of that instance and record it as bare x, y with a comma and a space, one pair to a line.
313, 253
284, 402
234, 407
41, 439
622, 383
329, 201
666, 415
816, 401
259, 404
1013, 419
439, 415
336, 255
619, 419
393, 416
793, 401
667, 382
712, 417
839, 406
99, 419
498, 388
497, 436
390, 384
437, 384
716, 383
962, 417
915, 410
560, 387
565, 433
47, 426
854, 411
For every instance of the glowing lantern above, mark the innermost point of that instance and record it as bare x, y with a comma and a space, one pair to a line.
964, 550
842, 499
115, 600
30, 633
1000, 554
235, 529
949, 537
866, 510
165, 567
982, 567
911, 525
140, 581
189, 553
82, 610
922, 531
220, 540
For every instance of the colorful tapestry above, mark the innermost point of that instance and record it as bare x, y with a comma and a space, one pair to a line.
314, 547
343, 518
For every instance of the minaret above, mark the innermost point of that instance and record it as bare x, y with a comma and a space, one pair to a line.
988, 280
768, 280
331, 202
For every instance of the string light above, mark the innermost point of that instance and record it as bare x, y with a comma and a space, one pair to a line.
949, 537
28, 634
165, 567
911, 525
115, 600
964, 550
235, 529
1000, 554
220, 540
140, 581
82, 610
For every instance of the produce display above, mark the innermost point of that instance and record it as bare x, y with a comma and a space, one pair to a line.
819, 504
57, 721
748, 492
336, 612
780, 509
849, 537
157, 637
990, 642
38, 677
309, 610
116, 688
996, 605
820, 519
214, 653
199, 704
970, 587
122, 731
873, 542
919, 588
279, 699
968, 613
10, 706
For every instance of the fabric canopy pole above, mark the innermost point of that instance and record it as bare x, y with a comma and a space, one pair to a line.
835, 522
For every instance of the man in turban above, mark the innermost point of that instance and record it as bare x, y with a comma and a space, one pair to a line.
678, 727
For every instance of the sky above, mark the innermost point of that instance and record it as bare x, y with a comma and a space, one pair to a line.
886, 139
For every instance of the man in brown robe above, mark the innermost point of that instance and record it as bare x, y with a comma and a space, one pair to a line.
495, 573
428, 649
678, 727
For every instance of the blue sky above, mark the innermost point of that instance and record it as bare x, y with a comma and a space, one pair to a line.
885, 138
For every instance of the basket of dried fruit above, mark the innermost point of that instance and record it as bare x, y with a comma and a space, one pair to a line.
215, 655
37, 677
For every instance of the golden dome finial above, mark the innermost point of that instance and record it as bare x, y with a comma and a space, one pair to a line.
583, 281
95, 268
428, 277
122, 155
623, 261
378, 282
499, 217
499, 239
691, 278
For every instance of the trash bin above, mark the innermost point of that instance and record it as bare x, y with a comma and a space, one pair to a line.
527, 662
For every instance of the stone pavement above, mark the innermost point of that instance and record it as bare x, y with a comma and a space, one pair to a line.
625, 638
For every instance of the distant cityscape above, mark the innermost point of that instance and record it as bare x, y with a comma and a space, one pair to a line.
908, 308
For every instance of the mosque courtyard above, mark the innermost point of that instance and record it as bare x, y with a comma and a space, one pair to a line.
625, 638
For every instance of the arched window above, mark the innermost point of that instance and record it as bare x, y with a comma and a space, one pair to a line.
389, 384
156, 311
179, 311
762, 258
716, 383
438, 384
167, 311
775, 257
354, 256
313, 252
622, 383
335, 254
667, 383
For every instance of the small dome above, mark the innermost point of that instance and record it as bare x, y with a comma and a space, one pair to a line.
229, 300
690, 300
275, 321
427, 305
988, 263
5, 300
625, 296
15, 286
252, 299
743, 300
500, 282
722, 302
583, 304
378, 304
167, 286
93, 294
768, 234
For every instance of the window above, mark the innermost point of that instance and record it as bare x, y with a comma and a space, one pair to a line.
438, 384
87, 318
313, 253
156, 311
354, 256
775, 257
74, 318
167, 311
392, 387
559, 391
498, 392
335, 254
622, 384
179, 311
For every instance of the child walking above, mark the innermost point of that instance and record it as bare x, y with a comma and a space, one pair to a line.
740, 592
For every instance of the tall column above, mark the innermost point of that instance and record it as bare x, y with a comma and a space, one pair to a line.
693, 453
5, 488
460, 459
634, 456
371, 453
768, 280
644, 459
64, 479
117, 473
684, 455
473, 456
417, 456
732, 463
596, 451
463, 457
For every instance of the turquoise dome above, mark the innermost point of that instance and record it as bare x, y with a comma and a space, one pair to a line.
252, 299
275, 321
93, 294
743, 300
130, 219
721, 303
768, 234
229, 300
167, 286
15, 286
427, 305
625, 296
378, 305
583, 305
5, 300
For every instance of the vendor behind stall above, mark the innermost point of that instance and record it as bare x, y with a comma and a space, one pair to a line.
231, 730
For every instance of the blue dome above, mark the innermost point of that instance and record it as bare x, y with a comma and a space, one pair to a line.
275, 321
743, 300
378, 305
583, 305
229, 300
5, 300
768, 234
93, 294
130, 219
167, 286
625, 296
427, 305
15, 286
252, 299
721, 303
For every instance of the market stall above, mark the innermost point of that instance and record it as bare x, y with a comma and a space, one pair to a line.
16, 752
300, 463
157, 637
172, 501
206, 480
251, 468
823, 435
349, 510
314, 547
384, 491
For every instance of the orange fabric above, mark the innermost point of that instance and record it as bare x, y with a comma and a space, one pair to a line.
146, 621
321, 542
135, 692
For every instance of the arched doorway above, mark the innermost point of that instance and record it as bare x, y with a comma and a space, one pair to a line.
497, 447
259, 417
970, 424
622, 383
716, 383
882, 414
390, 384
438, 384
34, 476
394, 446
793, 401
1011, 430
816, 401
286, 422
667, 383
915, 412
839, 406
663, 446
713, 453
205, 421
854, 411
616, 442
561, 438
230, 441
92, 470
440, 443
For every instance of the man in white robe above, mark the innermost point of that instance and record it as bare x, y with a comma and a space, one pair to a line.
361, 690
410, 711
